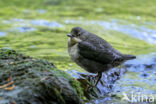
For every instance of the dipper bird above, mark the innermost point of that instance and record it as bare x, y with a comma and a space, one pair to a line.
93, 53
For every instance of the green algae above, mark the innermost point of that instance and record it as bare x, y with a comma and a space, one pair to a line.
77, 86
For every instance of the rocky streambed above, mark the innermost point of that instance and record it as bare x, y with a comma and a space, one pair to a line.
26, 80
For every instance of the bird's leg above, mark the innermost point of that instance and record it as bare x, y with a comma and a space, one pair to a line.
99, 77
91, 86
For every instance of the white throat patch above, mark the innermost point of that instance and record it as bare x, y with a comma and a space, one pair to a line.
74, 40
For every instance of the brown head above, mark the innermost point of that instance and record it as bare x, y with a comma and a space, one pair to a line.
76, 35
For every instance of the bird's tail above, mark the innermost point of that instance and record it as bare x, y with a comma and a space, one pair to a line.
129, 57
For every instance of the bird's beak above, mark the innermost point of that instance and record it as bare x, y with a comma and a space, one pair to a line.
69, 35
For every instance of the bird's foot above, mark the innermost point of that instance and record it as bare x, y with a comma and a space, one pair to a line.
90, 83
93, 81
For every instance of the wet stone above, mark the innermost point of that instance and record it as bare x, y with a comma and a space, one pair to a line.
104, 86
144, 75
35, 81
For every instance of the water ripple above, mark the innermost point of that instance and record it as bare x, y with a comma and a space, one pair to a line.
140, 32
2, 34
28, 23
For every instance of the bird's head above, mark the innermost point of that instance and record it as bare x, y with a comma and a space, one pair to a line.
77, 35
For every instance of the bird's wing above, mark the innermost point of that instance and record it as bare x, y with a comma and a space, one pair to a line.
89, 51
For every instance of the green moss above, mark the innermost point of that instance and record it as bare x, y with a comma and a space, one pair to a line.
57, 93
77, 86
73, 82
61, 73
7, 53
36, 77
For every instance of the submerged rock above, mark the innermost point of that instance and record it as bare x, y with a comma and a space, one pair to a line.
105, 85
35, 81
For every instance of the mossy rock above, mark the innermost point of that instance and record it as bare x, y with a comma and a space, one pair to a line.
36, 81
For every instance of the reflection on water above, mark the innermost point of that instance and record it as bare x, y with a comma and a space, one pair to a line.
41, 11
24, 25
23, 29
26, 11
45, 23
33, 46
142, 63
2, 34
139, 32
